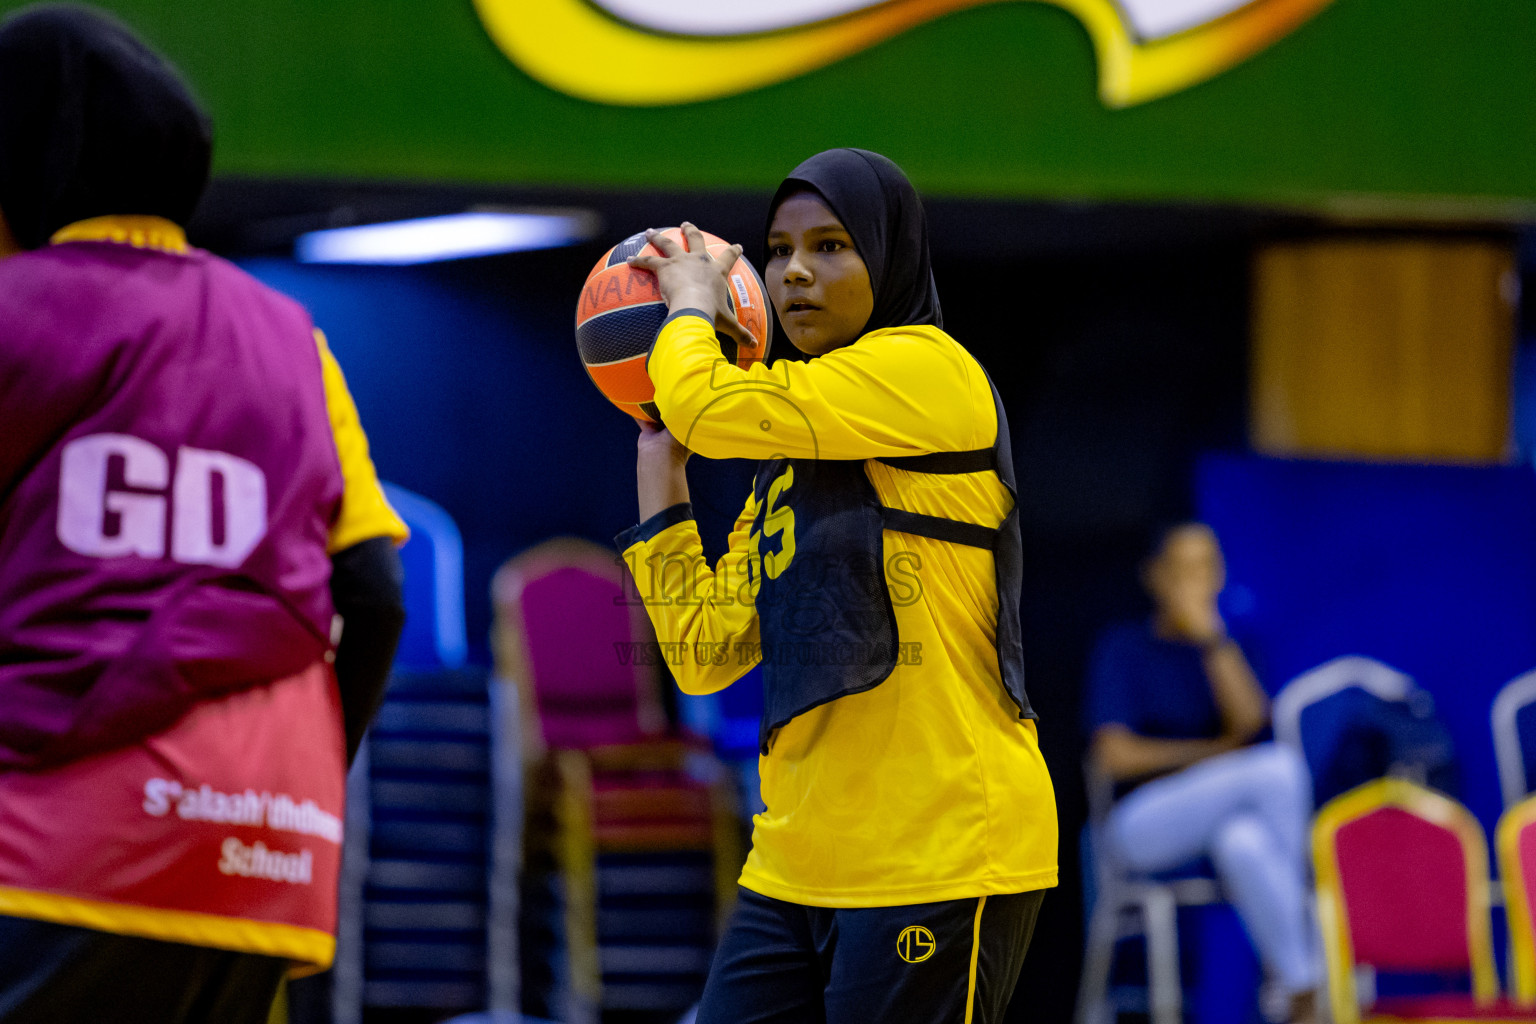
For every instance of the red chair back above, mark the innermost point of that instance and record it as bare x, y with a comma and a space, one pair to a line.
580, 643
1405, 891
1402, 885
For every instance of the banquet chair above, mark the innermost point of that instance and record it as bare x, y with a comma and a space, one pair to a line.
1514, 737
1402, 889
1128, 904
1515, 842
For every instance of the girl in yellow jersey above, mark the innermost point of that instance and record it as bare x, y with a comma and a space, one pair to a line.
874, 571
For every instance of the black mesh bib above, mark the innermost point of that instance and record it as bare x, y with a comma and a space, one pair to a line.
817, 565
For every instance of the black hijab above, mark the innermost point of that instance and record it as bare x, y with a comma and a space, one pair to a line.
92, 122
883, 214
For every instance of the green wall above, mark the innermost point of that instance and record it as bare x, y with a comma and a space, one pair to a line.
1394, 98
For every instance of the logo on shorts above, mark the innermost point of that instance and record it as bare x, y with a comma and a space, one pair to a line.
915, 944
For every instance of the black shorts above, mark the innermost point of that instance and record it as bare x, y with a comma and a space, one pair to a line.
51, 974
954, 962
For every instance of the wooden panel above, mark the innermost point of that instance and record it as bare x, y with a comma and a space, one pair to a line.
1383, 349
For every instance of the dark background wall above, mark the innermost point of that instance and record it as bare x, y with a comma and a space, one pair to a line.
1121, 368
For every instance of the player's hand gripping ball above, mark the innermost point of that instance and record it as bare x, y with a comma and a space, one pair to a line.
621, 310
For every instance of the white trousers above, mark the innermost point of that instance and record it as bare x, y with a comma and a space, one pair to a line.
1248, 811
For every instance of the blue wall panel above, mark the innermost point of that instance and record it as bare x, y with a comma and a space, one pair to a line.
1431, 569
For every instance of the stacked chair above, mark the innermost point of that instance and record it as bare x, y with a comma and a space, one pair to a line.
631, 844
429, 893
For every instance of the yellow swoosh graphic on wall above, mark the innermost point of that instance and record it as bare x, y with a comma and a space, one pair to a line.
582, 50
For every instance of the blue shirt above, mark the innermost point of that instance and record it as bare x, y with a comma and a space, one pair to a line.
1153, 686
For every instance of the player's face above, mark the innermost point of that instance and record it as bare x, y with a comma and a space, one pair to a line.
816, 279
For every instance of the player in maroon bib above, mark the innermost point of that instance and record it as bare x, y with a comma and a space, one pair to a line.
173, 499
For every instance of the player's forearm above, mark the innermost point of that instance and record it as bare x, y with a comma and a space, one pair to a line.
1122, 754
661, 480
367, 588
1244, 706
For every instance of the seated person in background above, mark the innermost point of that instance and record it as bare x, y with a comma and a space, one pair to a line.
1174, 710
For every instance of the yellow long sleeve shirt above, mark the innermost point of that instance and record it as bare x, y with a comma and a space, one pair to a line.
929, 786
